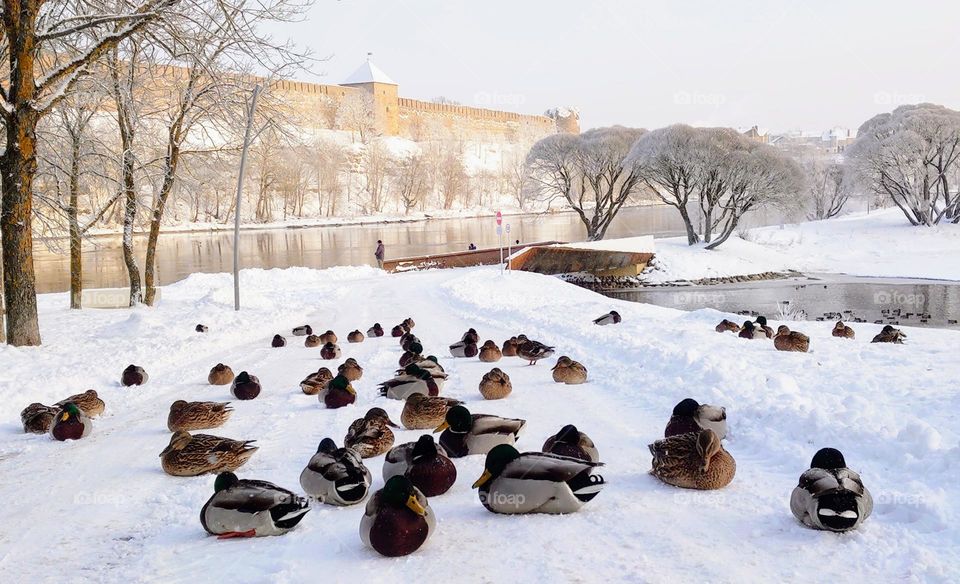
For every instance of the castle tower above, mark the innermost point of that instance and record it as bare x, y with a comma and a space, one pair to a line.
378, 84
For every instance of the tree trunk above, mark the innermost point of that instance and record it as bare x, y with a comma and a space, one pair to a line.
76, 260
129, 216
692, 236
3, 312
150, 267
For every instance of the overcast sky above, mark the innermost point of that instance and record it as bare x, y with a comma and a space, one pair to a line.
781, 65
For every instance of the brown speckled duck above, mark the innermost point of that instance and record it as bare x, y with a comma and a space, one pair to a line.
220, 374
691, 416
89, 403
695, 460
133, 375
70, 424
495, 384
189, 456
490, 352
572, 443
421, 412
337, 393
371, 435
889, 335
38, 418
788, 340
569, 371
355, 337
187, 416
350, 369
245, 386
843, 331
315, 382
533, 351
727, 326
510, 347
311, 341
329, 337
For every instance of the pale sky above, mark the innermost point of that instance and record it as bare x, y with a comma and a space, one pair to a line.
781, 65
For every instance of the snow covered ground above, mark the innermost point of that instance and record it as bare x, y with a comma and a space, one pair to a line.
100, 509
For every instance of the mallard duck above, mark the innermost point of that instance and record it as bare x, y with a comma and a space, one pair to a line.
250, 508
411, 355
330, 351
408, 323
278, 342
495, 384
371, 435
408, 339
569, 371
612, 317
133, 375
350, 369
89, 403
830, 496
788, 340
471, 337
572, 443
70, 423
889, 335
533, 351
245, 386
761, 322
201, 328
464, 349
414, 380
397, 519
337, 393
421, 412
426, 465
465, 433
311, 341
336, 476
355, 337
398, 331
490, 352
695, 460
843, 331
429, 364
302, 331
375, 331
691, 416
189, 416
329, 337
510, 347
536, 482
38, 418
189, 456
751, 331
220, 374
727, 326
312, 384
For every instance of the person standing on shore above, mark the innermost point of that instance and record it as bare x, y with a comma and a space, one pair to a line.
379, 254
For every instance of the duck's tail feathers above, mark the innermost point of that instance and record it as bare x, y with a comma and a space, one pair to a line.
585, 486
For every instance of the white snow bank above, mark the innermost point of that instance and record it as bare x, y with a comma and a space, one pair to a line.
640, 244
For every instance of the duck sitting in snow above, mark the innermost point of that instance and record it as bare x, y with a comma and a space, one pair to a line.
536, 482
133, 375
38, 418
355, 337
336, 476
533, 351
407, 340
302, 331
691, 416
830, 496
278, 341
398, 331
843, 331
426, 465
189, 456
889, 335
412, 354
413, 380
375, 331
330, 351
350, 369
695, 460
329, 337
311, 341
408, 323
371, 435
490, 352
788, 340
751, 331
337, 393
315, 382
70, 423
727, 326
761, 322
250, 508
495, 384
398, 519
612, 317
245, 386
89, 403
569, 371
187, 416
471, 336
465, 433
572, 443
510, 347
421, 412
220, 374
464, 349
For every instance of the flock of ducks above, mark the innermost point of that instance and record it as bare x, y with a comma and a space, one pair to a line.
560, 478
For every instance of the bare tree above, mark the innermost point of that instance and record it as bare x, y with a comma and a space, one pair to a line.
356, 114
450, 173
828, 188
376, 161
410, 176
331, 161
514, 180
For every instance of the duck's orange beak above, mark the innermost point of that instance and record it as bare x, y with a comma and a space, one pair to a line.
441, 427
486, 476
414, 505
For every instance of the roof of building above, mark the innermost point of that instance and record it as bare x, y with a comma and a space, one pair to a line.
368, 73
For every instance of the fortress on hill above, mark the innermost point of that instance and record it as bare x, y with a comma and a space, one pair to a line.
412, 118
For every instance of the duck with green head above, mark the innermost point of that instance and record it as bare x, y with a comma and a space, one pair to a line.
398, 519
413, 380
464, 433
70, 423
337, 393
250, 508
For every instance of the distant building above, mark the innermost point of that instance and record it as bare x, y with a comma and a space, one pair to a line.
756, 134
815, 143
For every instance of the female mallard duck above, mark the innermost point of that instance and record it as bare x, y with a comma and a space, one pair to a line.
421, 412
414, 380
464, 349
336, 476
691, 416
533, 351
189, 456
510, 347
408, 323
330, 351
302, 331
398, 331
220, 374
751, 331
569, 371
495, 384
535, 482
245, 386
465, 433
38, 418
371, 435
490, 352
398, 519
89, 403
572, 443
278, 342
329, 337
427, 466
471, 337
843, 331
350, 369
830, 496
612, 317
727, 326
375, 331
337, 393
250, 508
761, 322
187, 416
315, 382
70, 423
695, 460
889, 335
311, 341
788, 340
355, 337
133, 375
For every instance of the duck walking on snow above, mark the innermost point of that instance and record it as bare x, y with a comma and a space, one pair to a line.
830, 496
336, 476
250, 508
533, 351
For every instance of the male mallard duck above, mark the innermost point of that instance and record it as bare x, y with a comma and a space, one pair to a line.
889, 335
189, 416
189, 456
412, 354
751, 331
220, 374
471, 337
464, 349
408, 323
315, 382
133, 375
311, 341
355, 337
533, 351
201, 328
421, 412
250, 508
371, 435
398, 331
350, 369
695, 460
245, 386
414, 380
330, 351
337, 393
830, 496
70, 423
430, 363
278, 342
535, 482
510, 347
612, 317
89, 403
465, 433
843, 331
727, 326
691, 416
329, 337
408, 339
302, 331
375, 331
336, 476
569, 371
761, 322
38, 418
495, 384
490, 352
572, 443
427, 466
398, 519
788, 340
